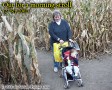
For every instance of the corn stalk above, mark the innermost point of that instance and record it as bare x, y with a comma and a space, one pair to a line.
18, 57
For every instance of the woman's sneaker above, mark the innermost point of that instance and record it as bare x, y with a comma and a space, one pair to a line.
55, 69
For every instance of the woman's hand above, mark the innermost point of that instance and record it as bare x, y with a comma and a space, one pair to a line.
61, 41
71, 40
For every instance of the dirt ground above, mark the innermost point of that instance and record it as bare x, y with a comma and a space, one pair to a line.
96, 74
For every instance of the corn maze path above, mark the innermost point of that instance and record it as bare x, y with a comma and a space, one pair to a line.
96, 73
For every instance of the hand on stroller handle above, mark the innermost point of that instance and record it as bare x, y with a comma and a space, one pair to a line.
70, 40
62, 41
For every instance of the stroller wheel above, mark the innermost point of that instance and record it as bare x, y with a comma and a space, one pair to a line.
80, 83
66, 86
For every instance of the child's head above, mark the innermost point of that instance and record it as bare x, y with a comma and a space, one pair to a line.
74, 52
73, 49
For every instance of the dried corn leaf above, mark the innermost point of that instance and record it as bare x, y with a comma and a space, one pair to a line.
9, 28
24, 42
84, 34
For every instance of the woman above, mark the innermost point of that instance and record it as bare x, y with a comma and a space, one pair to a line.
59, 31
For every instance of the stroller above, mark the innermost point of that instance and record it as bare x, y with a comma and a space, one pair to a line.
65, 73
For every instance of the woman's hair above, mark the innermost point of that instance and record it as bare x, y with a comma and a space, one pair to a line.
56, 12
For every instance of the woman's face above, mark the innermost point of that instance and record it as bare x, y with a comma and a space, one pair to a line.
57, 17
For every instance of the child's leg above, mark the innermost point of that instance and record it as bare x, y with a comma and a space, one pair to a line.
76, 70
69, 69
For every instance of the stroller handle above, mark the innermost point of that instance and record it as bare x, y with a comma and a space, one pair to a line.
74, 45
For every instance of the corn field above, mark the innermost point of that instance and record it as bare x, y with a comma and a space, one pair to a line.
18, 57
90, 22
21, 34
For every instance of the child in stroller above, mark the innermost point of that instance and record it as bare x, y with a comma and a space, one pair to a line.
70, 70
71, 62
